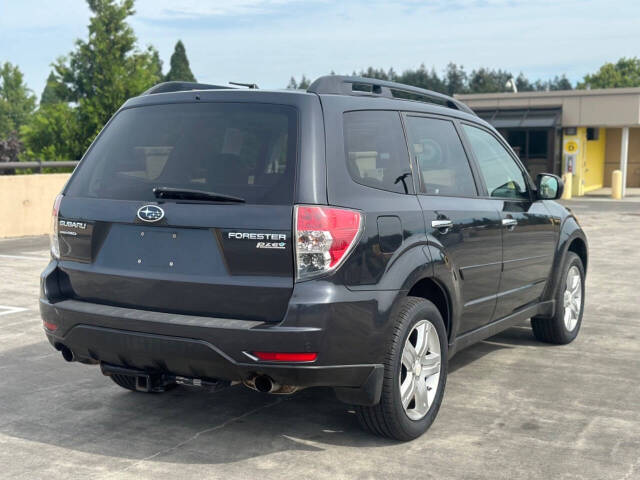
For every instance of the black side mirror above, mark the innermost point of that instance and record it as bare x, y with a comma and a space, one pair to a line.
549, 186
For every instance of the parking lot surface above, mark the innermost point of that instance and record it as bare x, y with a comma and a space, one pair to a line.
513, 407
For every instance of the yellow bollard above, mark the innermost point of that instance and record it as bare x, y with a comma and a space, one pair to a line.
567, 178
616, 184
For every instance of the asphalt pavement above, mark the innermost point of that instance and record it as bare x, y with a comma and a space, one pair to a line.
513, 408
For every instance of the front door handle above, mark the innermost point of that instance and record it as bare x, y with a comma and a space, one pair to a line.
510, 223
443, 226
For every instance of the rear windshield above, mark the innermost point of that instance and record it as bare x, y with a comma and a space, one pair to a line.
239, 149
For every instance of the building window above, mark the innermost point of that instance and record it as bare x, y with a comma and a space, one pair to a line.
529, 144
518, 141
538, 144
593, 133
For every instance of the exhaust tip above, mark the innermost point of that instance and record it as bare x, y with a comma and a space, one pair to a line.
263, 383
66, 352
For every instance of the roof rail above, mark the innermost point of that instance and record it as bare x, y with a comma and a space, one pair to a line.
344, 85
166, 87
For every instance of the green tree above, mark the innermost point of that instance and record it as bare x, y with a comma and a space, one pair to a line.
560, 83
54, 91
303, 85
485, 80
53, 133
293, 84
180, 70
455, 79
524, 85
16, 100
107, 69
422, 78
624, 73
378, 73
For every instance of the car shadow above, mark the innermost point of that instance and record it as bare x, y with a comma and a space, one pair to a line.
73, 406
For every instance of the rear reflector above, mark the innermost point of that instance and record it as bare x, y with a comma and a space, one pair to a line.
50, 326
286, 357
324, 236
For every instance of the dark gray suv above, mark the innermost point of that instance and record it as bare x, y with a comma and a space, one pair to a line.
354, 235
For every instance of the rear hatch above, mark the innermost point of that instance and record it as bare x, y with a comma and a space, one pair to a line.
185, 208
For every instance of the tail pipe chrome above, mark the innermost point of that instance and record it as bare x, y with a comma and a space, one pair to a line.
265, 384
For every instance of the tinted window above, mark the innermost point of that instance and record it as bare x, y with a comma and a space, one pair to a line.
444, 167
376, 151
501, 174
245, 150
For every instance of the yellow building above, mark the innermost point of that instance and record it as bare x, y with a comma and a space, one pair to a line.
587, 132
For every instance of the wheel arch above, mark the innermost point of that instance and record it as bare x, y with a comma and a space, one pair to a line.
430, 289
579, 247
572, 239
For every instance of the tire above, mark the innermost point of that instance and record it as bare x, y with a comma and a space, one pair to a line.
557, 329
128, 382
390, 418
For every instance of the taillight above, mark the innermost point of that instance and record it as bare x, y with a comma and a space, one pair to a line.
53, 237
324, 237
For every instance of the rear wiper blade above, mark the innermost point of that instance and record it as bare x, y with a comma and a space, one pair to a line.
189, 194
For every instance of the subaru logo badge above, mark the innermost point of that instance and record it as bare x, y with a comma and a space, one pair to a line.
150, 213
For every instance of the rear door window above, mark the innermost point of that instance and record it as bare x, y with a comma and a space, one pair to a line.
441, 159
239, 149
376, 150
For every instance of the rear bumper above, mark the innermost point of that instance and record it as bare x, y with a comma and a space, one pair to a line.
347, 329
199, 347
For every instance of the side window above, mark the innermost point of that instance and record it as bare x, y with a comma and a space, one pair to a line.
376, 151
501, 174
443, 164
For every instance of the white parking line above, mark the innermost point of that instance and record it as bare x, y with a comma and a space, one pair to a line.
24, 257
5, 310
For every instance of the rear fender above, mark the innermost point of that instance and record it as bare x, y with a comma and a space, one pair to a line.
423, 261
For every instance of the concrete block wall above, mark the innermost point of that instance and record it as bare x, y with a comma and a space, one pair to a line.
26, 202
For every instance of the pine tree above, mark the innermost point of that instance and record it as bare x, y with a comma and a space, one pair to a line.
180, 70
54, 91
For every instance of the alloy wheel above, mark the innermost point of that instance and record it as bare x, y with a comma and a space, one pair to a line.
572, 298
420, 370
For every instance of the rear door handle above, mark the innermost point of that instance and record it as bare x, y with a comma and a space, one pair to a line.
443, 226
510, 223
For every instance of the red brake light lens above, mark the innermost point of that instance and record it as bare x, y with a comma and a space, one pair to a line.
324, 237
286, 357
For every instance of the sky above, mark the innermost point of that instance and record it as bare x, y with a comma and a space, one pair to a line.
268, 41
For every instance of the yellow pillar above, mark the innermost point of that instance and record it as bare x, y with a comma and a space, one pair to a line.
616, 184
567, 178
